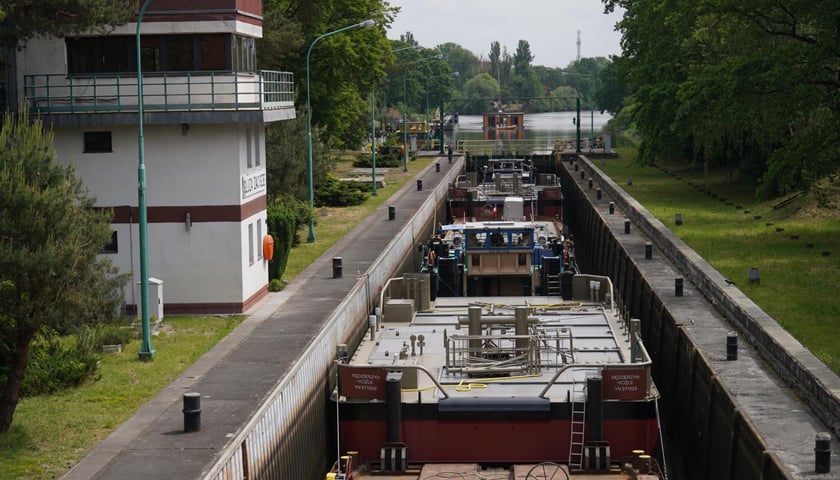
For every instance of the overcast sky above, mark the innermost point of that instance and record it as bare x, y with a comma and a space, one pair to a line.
549, 26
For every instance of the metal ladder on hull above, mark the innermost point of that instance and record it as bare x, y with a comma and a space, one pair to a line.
578, 426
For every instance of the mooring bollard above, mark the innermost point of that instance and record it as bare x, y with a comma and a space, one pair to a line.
678, 287
648, 250
612, 208
337, 267
582, 174
576, 166
626, 225
732, 346
392, 213
678, 219
437, 167
419, 185
822, 453
598, 194
192, 412
590, 184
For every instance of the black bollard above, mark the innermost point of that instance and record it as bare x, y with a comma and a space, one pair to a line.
419, 185
437, 167
732, 346
192, 412
648, 250
576, 166
626, 225
678, 219
822, 453
590, 184
337, 267
598, 194
678, 287
392, 213
582, 174
612, 208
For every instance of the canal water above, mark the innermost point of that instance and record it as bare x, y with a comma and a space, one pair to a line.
549, 125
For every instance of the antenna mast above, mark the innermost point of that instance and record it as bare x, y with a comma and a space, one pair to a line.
578, 45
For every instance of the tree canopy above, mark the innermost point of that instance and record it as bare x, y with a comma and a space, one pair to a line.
23, 19
747, 83
50, 235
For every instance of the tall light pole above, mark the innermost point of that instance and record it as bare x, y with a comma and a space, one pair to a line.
591, 113
365, 24
453, 74
146, 351
405, 110
373, 139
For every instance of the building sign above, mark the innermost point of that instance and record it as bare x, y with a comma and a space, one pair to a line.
252, 184
363, 382
625, 384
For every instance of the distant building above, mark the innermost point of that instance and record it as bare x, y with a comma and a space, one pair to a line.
205, 109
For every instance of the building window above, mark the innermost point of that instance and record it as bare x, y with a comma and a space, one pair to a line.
97, 142
158, 53
111, 247
259, 240
250, 243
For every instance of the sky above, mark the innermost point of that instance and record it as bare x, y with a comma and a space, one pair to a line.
549, 26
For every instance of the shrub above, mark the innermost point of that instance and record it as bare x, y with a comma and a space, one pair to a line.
276, 285
334, 193
54, 366
284, 218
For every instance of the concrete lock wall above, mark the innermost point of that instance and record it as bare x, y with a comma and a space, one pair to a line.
708, 428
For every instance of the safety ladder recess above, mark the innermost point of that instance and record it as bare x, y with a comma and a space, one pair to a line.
553, 282
578, 426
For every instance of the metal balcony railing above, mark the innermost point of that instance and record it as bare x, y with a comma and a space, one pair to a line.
162, 92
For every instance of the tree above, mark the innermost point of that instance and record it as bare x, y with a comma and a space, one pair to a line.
50, 235
24, 18
479, 90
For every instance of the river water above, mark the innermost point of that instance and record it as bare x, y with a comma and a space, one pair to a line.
542, 131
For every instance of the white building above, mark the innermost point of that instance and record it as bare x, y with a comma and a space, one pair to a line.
205, 108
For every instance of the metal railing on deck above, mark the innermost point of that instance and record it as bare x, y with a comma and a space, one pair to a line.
528, 146
162, 92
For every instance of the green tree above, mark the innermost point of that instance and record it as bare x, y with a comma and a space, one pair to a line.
50, 235
24, 18
460, 60
478, 91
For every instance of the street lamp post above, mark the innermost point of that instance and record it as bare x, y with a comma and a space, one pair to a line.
428, 136
146, 350
373, 139
365, 24
405, 110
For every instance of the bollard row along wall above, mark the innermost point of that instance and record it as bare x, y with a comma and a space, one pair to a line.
704, 419
286, 437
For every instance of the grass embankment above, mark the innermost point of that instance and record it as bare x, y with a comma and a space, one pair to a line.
333, 223
50, 434
725, 223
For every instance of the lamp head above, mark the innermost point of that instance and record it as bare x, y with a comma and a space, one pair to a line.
455, 74
367, 23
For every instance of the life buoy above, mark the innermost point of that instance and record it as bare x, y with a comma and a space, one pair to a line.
268, 247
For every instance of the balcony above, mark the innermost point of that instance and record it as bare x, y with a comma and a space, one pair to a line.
171, 92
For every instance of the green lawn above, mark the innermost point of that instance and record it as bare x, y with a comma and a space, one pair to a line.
51, 433
725, 223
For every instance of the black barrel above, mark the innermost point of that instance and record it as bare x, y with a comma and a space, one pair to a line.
337, 267
822, 453
192, 412
566, 284
732, 346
